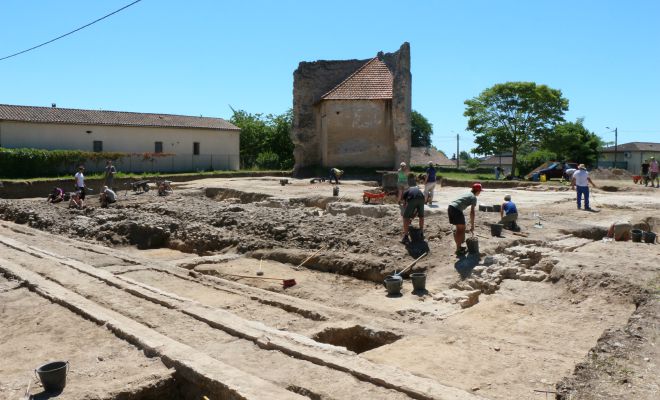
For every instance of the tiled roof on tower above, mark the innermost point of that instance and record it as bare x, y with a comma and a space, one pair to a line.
373, 80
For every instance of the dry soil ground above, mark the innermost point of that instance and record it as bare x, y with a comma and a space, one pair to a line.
144, 300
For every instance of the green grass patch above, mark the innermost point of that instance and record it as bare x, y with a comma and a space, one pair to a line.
466, 176
146, 175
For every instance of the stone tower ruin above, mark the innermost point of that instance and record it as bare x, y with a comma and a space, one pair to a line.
353, 113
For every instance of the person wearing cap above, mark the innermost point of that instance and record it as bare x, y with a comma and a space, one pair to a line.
79, 178
429, 183
581, 180
509, 214
413, 203
653, 172
456, 216
402, 179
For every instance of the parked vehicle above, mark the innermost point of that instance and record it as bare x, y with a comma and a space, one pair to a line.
556, 170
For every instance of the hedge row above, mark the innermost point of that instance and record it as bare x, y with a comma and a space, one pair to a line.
32, 163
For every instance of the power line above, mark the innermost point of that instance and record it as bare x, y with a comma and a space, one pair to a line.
67, 34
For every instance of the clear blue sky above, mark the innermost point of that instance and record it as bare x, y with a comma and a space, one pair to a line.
199, 57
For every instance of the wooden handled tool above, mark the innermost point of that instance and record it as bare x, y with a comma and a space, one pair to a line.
411, 264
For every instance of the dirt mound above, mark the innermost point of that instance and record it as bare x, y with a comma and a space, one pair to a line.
612, 174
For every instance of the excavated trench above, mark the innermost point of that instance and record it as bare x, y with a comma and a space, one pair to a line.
356, 338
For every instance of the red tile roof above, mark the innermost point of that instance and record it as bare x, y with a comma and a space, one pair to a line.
56, 115
373, 80
420, 156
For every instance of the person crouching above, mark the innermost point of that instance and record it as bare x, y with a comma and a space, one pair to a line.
509, 214
620, 231
107, 197
56, 195
413, 203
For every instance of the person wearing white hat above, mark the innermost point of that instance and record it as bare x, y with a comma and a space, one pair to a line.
581, 180
402, 179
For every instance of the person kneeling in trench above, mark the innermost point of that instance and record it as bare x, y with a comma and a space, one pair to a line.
107, 197
509, 214
413, 203
620, 231
456, 216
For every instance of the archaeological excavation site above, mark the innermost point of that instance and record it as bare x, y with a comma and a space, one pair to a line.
264, 288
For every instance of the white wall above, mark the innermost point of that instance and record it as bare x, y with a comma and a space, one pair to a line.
218, 148
634, 160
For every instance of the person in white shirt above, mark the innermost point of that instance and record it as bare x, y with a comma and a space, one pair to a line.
79, 177
107, 197
581, 180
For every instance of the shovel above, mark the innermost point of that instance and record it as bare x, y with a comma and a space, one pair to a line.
409, 265
286, 283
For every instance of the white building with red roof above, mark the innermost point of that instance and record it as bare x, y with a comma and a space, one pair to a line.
189, 143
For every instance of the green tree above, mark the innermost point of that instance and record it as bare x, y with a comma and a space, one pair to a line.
510, 116
265, 140
464, 155
571, 141
420, 131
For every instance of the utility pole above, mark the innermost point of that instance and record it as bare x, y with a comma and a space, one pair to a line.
616, 137
616, 134
458, 157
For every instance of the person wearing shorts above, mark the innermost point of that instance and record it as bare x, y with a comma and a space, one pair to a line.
620, 231
429, 183
413, 203
653, 172
402, 179
456, 216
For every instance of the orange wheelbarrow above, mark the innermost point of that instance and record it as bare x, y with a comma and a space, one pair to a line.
368, 197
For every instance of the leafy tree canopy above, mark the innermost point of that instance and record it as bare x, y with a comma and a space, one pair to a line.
265, 139
421, 130
510, 116
571, 141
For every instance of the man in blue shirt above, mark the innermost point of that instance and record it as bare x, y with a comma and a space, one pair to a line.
509, 214
429, 184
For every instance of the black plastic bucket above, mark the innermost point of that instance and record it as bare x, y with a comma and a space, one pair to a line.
418, 281
53, 375
393, 284
416, 235
482, 207
472, 245
335, 191
496, 229
637, 235
497, 207
649, 237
